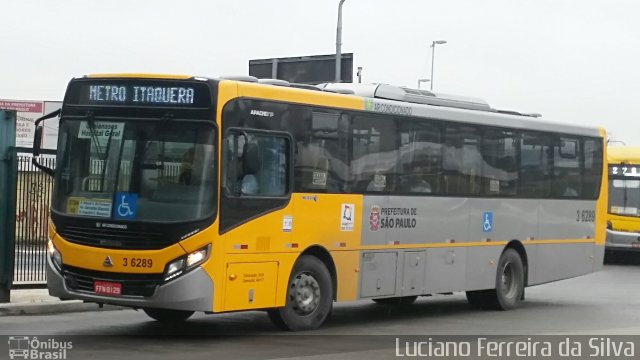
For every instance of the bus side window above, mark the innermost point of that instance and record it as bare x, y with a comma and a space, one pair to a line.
566, 167
499, 151
374, 154
420, 166
257, 164
534, 165
462, 161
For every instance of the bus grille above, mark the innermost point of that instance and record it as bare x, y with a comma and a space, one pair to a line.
132, 284
115, 238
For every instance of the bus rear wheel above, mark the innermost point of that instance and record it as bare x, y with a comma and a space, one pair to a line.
309, 296
167, 315
509, 285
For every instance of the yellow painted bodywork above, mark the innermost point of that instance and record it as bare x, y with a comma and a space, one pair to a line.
602, 203
630, 156
87, 257
251, 285
624, 223
627, 155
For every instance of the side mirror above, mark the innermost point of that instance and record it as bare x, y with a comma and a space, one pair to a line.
37, 140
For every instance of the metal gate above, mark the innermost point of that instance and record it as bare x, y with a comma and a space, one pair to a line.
33, 197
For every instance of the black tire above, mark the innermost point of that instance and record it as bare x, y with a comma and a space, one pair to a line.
309, 297
167, 315
509, 291
396, 301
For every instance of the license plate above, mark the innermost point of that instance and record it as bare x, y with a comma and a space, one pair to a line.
635, 245
107, 288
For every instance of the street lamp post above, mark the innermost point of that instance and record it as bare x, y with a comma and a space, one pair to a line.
433, 52
421, 81
339, 43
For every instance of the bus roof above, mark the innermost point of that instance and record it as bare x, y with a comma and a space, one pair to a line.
419, 102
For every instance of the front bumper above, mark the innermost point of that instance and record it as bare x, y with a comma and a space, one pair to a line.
622, 240
191, 291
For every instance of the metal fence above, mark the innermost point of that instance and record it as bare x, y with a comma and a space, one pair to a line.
33, 197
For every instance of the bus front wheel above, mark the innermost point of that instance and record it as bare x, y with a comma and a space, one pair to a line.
309, 296
167, 315
509, 285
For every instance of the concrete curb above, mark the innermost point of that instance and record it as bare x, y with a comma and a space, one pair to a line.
51, 307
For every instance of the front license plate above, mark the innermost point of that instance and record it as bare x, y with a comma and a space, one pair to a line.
635, 245
107, 288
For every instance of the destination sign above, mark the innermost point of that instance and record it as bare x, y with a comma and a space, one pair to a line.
624, 170
143, 93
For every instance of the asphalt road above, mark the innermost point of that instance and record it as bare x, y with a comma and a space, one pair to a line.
603, 303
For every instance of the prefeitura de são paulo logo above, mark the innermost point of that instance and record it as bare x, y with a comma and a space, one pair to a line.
374, 218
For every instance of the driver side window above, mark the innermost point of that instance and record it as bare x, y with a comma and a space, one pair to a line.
257, 164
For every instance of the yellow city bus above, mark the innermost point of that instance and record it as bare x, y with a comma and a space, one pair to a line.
177, 194
623, 219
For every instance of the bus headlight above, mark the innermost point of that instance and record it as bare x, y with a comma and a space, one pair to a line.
185, 263
174, 269
55, 254
197, 257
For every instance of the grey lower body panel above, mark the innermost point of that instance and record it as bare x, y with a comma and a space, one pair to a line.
563, 261
556, 235
409, 272
191, 291
622, 240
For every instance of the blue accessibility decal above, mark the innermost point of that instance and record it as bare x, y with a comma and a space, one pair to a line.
487, 221
126, 205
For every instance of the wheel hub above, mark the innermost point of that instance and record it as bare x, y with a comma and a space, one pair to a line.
508, 280
305, 294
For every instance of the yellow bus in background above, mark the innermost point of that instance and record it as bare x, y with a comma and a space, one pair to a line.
623, 221
177, 194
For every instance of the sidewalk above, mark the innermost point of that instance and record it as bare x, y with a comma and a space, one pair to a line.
38, 302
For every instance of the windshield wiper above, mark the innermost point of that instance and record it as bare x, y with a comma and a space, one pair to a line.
164, 121
94, 137
104, 164
96, 142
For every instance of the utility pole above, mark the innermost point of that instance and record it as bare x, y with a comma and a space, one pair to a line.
339, 44
7, 202
433, 52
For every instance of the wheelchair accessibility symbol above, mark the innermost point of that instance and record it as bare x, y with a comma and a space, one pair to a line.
487, 221
126, 205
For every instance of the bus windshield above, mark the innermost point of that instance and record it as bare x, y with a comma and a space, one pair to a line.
624, 197
162, 171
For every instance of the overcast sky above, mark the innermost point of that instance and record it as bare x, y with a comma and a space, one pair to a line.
573, 61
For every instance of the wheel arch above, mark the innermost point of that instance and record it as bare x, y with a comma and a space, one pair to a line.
323, 255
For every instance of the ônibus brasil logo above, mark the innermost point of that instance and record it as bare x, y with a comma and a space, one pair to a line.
26, 347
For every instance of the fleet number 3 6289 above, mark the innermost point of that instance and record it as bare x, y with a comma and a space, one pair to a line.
137, 262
